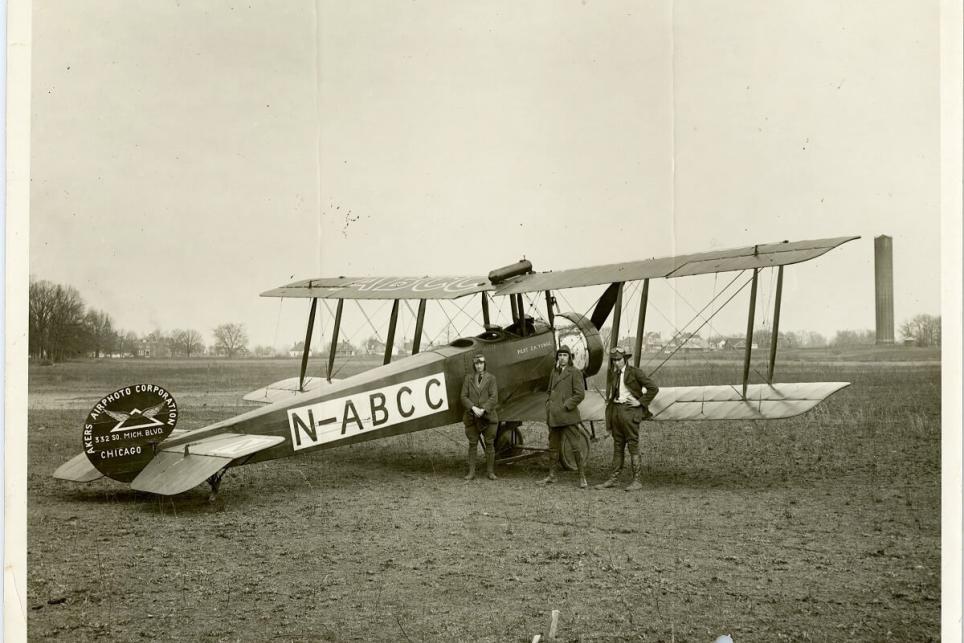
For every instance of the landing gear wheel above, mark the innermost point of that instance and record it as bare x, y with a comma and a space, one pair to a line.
215, 482
508, 440
567, 455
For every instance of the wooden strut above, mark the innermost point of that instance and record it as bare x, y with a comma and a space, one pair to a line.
485, 308
304, 356
522, 315
515, 309
775, 335
550, 300
749, 332
390, 340
334, 338
641, 325
617, 316
419, 324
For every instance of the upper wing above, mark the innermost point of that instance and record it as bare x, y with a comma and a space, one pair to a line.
758, 256
762, 402
383, 288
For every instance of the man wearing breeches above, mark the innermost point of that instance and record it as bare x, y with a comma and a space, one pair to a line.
480, 399
626, 406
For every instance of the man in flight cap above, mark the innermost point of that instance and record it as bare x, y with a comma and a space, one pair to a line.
480, 398
626, 406
566, 391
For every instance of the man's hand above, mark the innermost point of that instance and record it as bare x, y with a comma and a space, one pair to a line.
478, 412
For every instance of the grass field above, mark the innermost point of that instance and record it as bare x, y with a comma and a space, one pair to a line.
824, 527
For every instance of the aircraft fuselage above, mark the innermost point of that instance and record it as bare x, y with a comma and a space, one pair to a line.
411, 394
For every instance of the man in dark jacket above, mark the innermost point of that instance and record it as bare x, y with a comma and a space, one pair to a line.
566, 391
480, 398
626, 406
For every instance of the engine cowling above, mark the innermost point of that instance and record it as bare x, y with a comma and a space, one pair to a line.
583, 339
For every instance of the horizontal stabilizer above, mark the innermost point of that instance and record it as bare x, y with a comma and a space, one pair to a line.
78, 469
183, 467
762, 402
285, 390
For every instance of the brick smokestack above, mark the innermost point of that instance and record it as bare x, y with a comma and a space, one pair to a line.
884, 283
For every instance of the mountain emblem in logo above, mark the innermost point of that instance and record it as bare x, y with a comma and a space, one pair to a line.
136, 419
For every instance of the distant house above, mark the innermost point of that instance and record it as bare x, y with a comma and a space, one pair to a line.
688, 345
298, 350
374, 347
156, 348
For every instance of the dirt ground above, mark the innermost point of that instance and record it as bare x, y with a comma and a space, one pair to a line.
825, 527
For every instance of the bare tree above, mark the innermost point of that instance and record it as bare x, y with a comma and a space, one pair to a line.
230, 339
192, 342
129, 343
186, 342
41, 312
56, 321
925, 330
100, 330
854, 338
265, 351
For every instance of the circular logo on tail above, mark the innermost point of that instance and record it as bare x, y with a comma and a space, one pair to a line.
123, 428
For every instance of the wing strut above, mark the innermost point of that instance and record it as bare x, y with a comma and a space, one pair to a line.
304, 356
641, 324
749, 332
334, 338
550, 300
390, 340
605, 305
522, 316
419, 323
617, 316
775, 335
485, 309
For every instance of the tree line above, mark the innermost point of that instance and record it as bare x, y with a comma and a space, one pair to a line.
62, 326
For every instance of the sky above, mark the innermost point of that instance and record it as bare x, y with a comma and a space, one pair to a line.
187, 156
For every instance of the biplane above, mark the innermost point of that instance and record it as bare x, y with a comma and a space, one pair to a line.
422, 390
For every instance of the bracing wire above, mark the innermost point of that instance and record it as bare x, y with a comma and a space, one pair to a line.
698, 314
362, 309
277, 322
717, 311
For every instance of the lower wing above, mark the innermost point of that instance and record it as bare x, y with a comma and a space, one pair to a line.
762, 402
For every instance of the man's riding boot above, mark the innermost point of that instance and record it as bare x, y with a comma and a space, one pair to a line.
637, 469
581, 469
471, 459
553, 463
617, 468
490, 464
